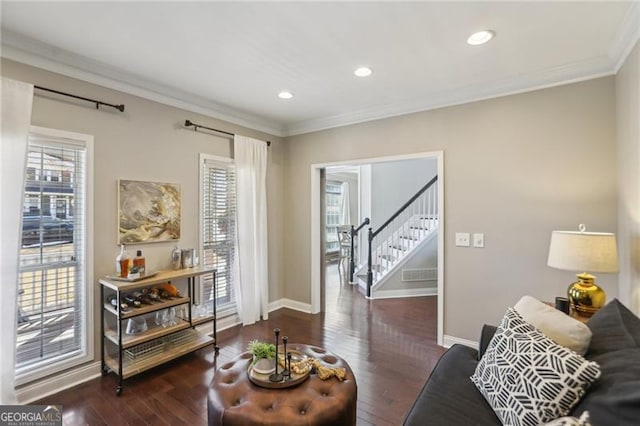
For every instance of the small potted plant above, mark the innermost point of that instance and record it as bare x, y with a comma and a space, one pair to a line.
264, 356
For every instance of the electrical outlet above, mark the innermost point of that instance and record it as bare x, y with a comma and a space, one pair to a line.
478, 240
462, 239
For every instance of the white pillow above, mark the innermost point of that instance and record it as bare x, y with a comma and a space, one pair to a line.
556, 325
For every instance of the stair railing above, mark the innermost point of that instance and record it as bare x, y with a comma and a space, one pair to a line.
354, 233
397, 233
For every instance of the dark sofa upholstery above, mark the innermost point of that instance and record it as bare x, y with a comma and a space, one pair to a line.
450, 397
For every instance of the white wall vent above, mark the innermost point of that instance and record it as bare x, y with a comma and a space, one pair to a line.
420, 274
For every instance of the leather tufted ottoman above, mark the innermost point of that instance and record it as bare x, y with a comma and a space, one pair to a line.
234, 400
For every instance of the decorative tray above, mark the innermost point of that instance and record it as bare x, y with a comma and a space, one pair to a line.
262, 380
132, 280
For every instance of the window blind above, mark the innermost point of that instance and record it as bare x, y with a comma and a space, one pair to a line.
219, 233
51, 324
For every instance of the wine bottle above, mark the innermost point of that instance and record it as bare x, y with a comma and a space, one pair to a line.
132, 301
153, 293
113, 300
142, 298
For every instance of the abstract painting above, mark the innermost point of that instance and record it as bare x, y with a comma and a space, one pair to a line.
148, 211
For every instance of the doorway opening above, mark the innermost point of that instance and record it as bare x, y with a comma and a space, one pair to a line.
319, 220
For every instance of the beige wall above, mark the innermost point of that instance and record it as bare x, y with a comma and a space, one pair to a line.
628, 115
516, 168
147, 142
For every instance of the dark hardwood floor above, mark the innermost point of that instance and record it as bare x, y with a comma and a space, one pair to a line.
389, 344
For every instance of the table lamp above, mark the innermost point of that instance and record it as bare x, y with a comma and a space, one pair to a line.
584, 251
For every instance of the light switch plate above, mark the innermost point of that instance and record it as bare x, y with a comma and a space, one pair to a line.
462, 239
478, 240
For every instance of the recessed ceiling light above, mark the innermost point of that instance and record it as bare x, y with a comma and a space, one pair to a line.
481, 37
285, 95
363, 72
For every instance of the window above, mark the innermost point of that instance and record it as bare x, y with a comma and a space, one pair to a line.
218, 231
53, 330
333, 191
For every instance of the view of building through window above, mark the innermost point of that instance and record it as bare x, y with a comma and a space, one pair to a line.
52, 276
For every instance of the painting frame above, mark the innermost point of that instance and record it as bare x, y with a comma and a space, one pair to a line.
148, 212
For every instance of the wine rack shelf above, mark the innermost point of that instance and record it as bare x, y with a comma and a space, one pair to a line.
129, 354
145, 309
131, 368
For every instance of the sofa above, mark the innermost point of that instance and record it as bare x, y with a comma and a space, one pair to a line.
450, 397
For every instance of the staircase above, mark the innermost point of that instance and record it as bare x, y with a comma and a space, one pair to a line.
391, 245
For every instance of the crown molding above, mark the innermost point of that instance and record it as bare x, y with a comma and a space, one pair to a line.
41, 55
556, 76
627, 36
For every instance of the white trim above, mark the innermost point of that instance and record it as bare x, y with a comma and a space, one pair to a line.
221, 324
291, 304
441, 229
409, 292
627, 36
315, 225
557, 76
38, 54
41, 55
68, 379
365, 196
316, 240
451, 340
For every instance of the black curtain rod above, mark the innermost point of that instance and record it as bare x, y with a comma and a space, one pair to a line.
189, 123
98, 103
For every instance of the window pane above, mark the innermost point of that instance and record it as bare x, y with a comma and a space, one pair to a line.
219, 232
52, 282
333, 200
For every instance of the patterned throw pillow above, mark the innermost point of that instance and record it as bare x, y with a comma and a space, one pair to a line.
527, 378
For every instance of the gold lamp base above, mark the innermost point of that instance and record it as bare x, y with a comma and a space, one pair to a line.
585, 297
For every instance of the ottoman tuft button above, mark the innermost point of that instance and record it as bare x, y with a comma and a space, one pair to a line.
303, 412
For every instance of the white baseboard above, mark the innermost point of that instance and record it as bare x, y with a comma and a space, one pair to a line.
73, 377
451, 340
70, 378
412, 292
222, 324
291, 304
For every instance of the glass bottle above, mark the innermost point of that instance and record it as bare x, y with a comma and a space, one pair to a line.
122, 262
176, 258
139, 262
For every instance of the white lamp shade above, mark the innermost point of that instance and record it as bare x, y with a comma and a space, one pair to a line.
583, 251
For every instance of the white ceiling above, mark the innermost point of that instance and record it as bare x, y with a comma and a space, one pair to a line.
229, 60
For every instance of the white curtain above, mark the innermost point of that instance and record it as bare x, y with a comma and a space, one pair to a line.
252, 275
345, 212
17, 98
